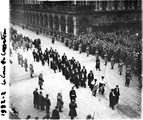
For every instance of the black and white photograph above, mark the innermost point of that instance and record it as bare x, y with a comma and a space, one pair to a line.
76, 59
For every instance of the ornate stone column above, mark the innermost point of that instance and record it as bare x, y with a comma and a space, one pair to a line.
66, 24
75, 26
59, 23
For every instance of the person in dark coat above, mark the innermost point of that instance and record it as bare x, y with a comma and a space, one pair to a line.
77, 80
117, 94
97, 64
84, 70
47, 104
41, 101
54, 66
72, 78
59, 64
40, 81
90, 78
128, 78
63, 69
35, 101
55, 113
112, 99
72, 94
83, 80
72, 107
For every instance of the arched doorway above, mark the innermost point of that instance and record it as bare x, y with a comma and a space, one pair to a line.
45, 21
63, 23
70, 24
41, 20
51, 21
83, 24
33, 19
37, 19
56, 22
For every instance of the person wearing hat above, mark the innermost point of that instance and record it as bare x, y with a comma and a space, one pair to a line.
112, 99
47, 104
117, 94
72, 107
35, 100
55, 113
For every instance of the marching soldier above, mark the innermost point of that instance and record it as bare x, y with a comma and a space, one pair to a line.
25, 65
112, 62
96, 54
80, 48
121, 67
31, 70
105, 58
87, 51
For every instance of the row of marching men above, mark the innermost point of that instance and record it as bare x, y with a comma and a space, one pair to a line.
24, 63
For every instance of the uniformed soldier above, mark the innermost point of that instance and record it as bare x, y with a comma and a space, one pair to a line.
80, 48
87, 51
31, 70
96, 54
112, 62
120, 67
25, 65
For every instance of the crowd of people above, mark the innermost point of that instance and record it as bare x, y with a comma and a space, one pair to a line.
100, 44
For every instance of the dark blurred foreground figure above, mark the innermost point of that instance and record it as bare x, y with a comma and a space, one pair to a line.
55, 113
72, 107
